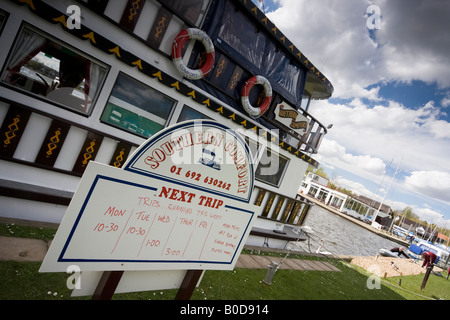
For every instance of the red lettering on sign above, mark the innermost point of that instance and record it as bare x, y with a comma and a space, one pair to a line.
175, 194
210, 202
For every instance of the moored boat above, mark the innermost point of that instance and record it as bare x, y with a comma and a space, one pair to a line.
419, 246
387, 253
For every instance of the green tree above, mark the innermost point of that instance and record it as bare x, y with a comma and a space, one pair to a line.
321, 172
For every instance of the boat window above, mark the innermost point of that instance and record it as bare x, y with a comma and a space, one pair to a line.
53, 70
97, 5
241, 34
3, 16
191, 10
254, 148
271, 167
137, 108
189, 114
279, 67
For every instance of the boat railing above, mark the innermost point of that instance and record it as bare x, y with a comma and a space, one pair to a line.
312, 139
280, 208
309, 141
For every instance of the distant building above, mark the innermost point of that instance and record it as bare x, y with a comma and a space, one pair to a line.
360, 207
315, 186
370, 207
411, 225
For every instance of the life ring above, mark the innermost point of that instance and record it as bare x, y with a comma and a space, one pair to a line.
177, 46
252, 111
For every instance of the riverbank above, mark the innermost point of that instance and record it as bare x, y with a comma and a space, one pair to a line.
358, 222
330, 279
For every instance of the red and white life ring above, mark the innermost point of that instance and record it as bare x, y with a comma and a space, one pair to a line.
177, 46
252, 111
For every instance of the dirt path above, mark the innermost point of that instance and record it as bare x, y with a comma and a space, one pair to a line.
383, 267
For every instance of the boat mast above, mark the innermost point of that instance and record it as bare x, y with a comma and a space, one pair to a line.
372, 203
387, 190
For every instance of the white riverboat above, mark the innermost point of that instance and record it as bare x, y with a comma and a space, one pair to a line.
93, 79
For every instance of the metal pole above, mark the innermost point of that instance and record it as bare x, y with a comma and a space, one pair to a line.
396, 171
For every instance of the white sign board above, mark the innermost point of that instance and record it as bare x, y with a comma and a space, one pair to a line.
180, 202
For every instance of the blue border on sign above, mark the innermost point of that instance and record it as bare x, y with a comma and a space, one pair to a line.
85, 203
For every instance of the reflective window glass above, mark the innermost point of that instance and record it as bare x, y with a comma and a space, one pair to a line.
271, 167
136, 107
50, 69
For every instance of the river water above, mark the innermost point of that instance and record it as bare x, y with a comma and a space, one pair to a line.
342, 237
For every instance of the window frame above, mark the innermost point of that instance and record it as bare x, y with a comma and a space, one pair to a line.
69, 47
180, 14
167, 120
184, 107
3, 19
262, 154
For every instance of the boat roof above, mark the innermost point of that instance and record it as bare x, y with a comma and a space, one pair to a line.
317, 84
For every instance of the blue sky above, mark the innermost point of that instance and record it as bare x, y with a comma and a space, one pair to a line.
391, 102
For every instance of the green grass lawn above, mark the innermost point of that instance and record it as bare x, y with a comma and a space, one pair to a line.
21, 281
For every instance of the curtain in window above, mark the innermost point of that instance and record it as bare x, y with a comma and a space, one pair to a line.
93, 79
28, 45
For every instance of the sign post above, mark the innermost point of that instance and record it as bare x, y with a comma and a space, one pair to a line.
426, 276
107, 285
188, 285
181, 202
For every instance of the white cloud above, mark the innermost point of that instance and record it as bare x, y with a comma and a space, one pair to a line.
414, 47
431, 216
332, 153
356, 187
386, 132
445, 102
364, 140
334, 36
368, 132
425, 213
434, 184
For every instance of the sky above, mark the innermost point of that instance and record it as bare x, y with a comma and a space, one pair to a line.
389, 63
